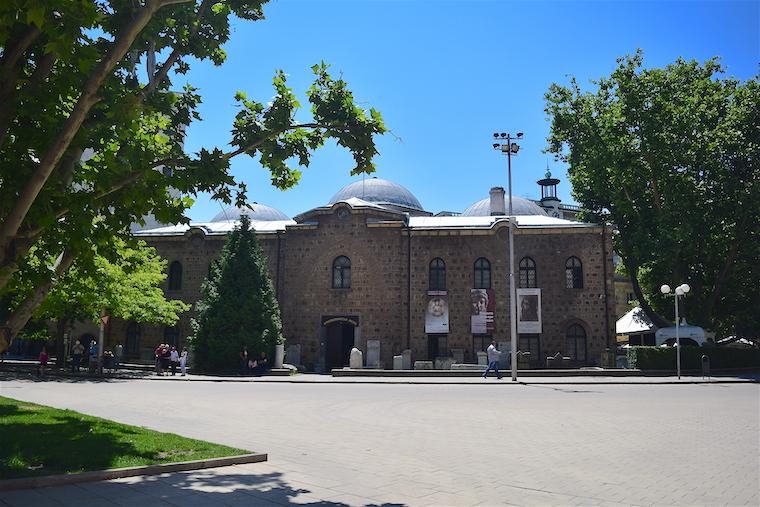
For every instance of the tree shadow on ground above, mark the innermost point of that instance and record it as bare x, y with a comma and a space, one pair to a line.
562, 389
60, 444
212, 487
31, 376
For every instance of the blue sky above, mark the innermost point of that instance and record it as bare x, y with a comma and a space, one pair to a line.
445, 76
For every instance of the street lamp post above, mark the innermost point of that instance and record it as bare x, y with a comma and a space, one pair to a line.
681, 290
503, 143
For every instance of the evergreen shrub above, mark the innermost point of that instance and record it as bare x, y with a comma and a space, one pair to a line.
664, 358
237, 308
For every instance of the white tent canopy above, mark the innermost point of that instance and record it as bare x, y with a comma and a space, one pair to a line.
634, 322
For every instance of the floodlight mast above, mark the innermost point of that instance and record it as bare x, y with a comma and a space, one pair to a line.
503, 142
680, 291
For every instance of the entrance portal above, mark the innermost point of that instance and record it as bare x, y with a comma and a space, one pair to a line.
339, 337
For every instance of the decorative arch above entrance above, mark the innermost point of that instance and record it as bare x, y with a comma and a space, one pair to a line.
340, 334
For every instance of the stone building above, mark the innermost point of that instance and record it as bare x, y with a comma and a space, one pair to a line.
373, 268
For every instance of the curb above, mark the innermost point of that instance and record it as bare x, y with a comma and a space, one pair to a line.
451, 383
118, 473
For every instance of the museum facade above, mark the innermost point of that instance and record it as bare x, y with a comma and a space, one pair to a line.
373, 267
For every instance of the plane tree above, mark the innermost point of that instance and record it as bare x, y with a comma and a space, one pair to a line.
671, 157
89, 144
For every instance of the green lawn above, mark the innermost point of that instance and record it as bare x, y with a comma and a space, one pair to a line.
39, 440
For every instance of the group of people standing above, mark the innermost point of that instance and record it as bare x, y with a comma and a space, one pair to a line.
252, 365
167, 357
90, 360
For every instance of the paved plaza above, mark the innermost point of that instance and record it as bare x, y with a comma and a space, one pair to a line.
486, 443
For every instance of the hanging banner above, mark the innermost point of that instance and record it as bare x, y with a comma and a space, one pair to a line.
481, 311
437, 314
528, 310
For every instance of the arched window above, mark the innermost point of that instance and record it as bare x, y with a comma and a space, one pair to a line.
171, 335
575, 342
573, 273
341, 273
133, 339
528, 273
437, 279
482, 274
175, 276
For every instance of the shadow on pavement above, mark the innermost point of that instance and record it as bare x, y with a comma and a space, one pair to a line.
561, 389
31, 376
214, 488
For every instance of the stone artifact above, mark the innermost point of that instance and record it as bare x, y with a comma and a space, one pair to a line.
443, 363
373, 354
355, 359
458, 355
279, 355
406, 356
423, 365
483, 358
293, 355
398, 362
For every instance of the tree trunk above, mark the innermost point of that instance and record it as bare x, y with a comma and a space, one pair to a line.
657, 319
60, 345
21, 315
61, 141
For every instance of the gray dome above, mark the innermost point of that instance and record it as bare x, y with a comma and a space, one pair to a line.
378, 191
520, 206
259, 213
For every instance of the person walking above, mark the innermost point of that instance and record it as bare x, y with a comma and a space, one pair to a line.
157, 354
244, 361
183, 361
43, 358
118, 352
174, 358
76, 356
493, 360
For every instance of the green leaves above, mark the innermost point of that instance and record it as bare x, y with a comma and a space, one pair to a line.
662, 154
274, 134
238, 306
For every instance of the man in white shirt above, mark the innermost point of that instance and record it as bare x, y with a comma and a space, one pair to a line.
493, 360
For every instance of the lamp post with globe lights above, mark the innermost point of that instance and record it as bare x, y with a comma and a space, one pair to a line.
681, 290
503, 143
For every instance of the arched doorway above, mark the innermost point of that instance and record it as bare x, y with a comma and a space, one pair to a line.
339, 340
87, 339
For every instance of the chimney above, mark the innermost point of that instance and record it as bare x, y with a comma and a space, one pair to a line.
498, 205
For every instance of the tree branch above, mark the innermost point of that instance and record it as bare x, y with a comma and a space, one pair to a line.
15, 49
274, 133
175, 54
62, 140
21, 315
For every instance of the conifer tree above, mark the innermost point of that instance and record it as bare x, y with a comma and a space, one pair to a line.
238, 306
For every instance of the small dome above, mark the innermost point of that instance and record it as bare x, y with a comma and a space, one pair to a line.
520, 206
259, 213
378, 191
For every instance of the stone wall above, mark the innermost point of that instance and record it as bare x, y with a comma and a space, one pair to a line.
379, 244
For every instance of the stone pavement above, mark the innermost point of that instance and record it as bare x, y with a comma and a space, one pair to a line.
392, 444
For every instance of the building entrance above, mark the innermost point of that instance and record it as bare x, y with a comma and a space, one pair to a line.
339, 338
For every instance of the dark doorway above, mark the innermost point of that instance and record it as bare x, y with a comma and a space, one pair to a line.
340, 341
86, 340
437, 346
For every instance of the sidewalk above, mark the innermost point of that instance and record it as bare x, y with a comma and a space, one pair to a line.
23, 369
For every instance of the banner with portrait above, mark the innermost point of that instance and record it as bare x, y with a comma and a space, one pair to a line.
528, 310
481, 311
437, 314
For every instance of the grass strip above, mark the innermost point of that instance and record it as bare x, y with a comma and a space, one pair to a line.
39, 440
